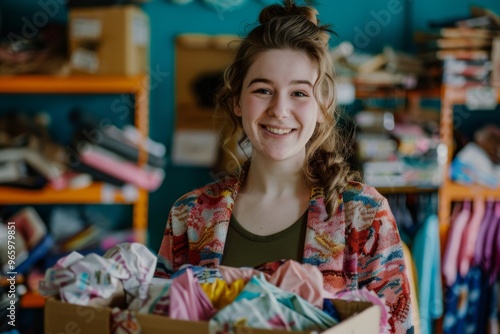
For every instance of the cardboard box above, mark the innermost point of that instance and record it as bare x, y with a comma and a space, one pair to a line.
358, 318
111, 40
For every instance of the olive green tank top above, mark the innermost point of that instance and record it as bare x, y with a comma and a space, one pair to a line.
245, 249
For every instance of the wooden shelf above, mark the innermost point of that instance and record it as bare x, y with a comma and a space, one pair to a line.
449, 190
459, 192
32, 300
96, 193
30, 84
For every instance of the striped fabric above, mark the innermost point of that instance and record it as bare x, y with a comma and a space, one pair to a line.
358, 247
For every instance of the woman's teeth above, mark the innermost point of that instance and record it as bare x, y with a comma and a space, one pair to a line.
278, 131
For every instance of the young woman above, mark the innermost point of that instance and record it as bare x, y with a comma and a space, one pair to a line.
296, 198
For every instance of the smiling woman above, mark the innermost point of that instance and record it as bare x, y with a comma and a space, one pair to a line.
296, 197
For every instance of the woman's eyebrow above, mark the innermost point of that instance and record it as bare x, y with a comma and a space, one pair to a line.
267, 81
256, 80
298, 82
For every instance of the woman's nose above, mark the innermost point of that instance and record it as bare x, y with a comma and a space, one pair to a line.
279, 107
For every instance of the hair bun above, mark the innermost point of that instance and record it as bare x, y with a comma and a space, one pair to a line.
289, 8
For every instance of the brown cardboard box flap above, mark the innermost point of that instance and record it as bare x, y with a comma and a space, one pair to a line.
361, 318
62, 317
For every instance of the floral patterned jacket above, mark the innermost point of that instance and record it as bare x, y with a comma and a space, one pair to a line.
358, 247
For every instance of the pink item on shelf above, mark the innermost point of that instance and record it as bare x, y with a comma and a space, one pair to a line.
117, 238
121, 169
29, 225
188, 301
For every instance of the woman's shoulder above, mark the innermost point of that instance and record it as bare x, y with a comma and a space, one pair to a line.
361, 192
362, 204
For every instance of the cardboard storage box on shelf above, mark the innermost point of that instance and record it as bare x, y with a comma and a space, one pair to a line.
112, 40
358, 318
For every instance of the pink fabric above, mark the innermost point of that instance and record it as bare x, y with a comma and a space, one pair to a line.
481, 237
489, 244
188, 301
469, 237
496, 253
231, 274
302, 279
453, 244
123, 170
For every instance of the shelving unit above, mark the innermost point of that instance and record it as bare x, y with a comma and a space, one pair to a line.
97, 193
449, 190
413, 98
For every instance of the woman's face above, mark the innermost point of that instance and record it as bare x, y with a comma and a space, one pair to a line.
278, 109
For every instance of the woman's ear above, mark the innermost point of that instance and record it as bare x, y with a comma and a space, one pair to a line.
237, 106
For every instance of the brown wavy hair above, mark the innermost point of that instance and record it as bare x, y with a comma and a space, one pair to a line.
294, 27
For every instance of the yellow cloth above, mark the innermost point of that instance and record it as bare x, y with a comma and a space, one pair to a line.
410, 270
222, 294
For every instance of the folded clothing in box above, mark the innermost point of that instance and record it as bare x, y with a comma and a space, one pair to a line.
275, 302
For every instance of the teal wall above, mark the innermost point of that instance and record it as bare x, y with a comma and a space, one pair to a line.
369, 24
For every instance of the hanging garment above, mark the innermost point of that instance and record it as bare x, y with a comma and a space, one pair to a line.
488, 218
456, 298
489, 241
469, 237
411, 270
444, 229
496, 257
450, 258
493, 314
473, 308
426, 255
484, 303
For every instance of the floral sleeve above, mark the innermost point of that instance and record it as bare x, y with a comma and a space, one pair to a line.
174, 246
382, 268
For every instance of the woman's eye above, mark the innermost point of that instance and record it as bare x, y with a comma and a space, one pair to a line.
262, 91
299, 94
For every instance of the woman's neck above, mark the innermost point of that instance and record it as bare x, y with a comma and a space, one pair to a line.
275, 178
